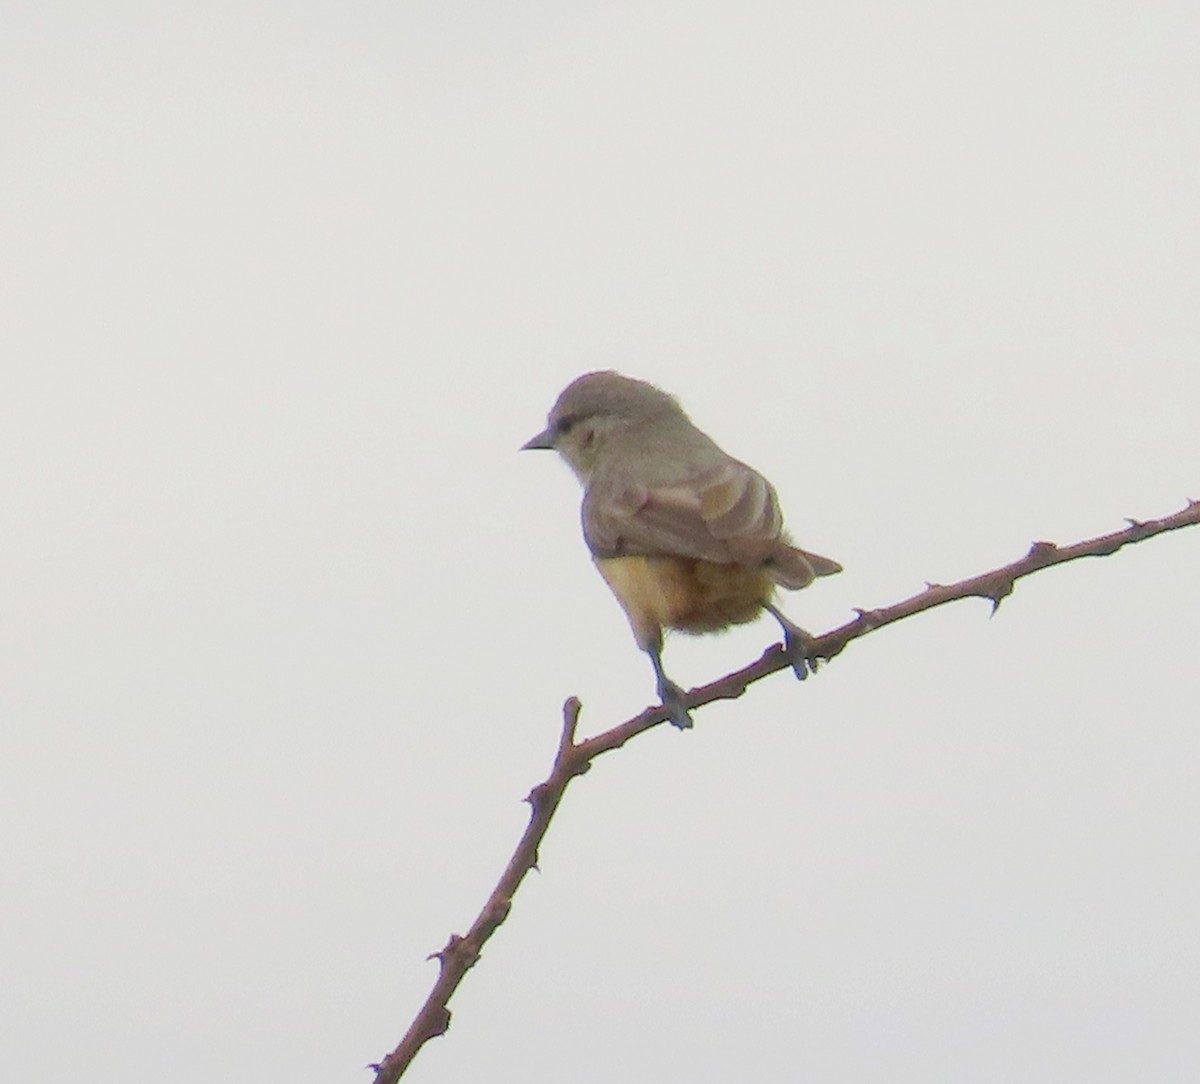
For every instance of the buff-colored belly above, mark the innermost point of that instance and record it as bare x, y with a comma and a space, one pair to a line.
683, 593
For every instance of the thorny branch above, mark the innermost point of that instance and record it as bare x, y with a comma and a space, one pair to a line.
574, 758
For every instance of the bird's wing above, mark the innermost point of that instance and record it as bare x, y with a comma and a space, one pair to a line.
728, 515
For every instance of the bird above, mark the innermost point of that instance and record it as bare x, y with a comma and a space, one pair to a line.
685, 536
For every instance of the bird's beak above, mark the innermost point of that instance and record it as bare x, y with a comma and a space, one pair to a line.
543, 441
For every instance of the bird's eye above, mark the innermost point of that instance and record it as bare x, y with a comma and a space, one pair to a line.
565, 425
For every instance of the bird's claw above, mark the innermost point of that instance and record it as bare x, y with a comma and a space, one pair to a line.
672, 699
796, 646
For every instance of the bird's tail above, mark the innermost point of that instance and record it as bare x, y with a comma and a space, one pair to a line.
794, 568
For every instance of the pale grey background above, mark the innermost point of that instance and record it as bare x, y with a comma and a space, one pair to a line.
286, 623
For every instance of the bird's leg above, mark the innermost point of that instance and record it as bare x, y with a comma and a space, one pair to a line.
795, 643
669, 693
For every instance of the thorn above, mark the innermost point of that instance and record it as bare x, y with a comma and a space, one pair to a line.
1134, 523
1041, 548
870, 618
1005, 589
374, 1066
535, 796
440, 955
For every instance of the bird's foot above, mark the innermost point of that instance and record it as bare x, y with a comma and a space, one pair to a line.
672, 699
797, 645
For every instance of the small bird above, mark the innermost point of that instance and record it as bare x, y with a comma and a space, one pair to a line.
686, 536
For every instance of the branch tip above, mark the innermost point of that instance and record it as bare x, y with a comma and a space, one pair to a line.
570, 713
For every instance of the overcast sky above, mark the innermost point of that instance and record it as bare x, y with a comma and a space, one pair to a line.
286, 621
